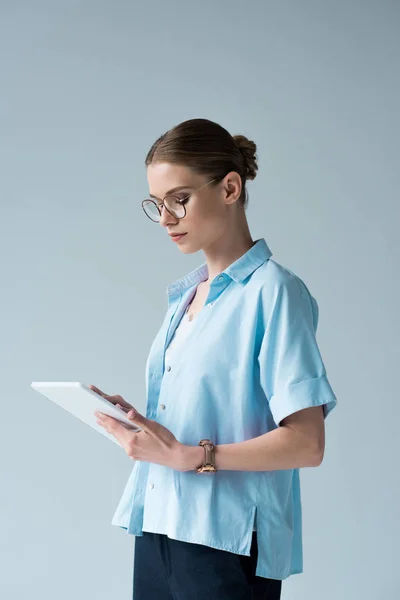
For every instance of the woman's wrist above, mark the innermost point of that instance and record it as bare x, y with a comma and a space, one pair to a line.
190, 457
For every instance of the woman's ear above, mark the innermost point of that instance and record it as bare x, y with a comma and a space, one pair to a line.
232, 187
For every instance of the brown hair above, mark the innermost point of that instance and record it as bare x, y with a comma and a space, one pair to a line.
208, 149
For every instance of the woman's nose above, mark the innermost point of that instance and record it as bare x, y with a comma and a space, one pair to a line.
166, 217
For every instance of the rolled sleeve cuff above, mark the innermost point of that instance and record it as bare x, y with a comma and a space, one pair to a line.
304, 394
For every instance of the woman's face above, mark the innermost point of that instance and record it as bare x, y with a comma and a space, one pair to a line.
209, 211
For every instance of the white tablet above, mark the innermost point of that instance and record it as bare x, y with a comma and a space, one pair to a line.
82, 402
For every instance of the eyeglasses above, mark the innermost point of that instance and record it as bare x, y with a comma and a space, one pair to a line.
174, 205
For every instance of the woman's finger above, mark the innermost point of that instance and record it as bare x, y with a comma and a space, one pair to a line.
115, 399
119, 400
97, 390
119, 430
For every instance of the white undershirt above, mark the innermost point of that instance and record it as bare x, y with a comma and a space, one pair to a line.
181, 333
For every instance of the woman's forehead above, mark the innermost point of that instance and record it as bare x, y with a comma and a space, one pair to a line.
165, 170
162, 177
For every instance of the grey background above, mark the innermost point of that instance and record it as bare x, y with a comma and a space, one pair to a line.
85, 88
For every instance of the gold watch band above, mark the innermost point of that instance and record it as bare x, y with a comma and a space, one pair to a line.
208, 465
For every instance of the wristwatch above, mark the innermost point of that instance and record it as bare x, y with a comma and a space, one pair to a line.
208, 465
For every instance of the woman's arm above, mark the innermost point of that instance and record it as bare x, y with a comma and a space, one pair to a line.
298, 442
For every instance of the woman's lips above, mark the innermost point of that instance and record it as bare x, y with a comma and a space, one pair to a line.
176, 238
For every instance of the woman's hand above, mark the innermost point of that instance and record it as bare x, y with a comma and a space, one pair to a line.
155, 443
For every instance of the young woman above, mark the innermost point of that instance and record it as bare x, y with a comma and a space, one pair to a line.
236, 388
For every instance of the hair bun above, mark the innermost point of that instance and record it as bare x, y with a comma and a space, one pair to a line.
248, 149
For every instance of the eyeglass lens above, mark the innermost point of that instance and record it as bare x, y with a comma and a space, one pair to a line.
172, 204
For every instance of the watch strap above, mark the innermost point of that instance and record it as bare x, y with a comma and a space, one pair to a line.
208, 465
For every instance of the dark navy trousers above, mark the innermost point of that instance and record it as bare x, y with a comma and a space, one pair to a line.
167, 569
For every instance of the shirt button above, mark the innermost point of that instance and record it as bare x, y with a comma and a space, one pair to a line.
151, 486
220, 278
168, 368
162, 406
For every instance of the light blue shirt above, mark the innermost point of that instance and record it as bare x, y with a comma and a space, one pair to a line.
250, 360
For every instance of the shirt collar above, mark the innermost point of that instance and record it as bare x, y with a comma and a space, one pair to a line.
244, 266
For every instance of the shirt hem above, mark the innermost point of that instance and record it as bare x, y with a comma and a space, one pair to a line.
225, 547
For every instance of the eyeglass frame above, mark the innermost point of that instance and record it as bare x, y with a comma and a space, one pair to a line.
182, 201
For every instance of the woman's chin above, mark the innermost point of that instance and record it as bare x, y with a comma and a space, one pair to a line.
187, 248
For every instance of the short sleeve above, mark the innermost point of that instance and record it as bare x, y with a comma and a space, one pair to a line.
292, 372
